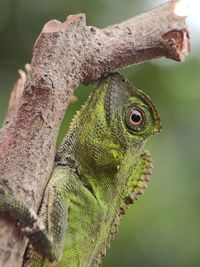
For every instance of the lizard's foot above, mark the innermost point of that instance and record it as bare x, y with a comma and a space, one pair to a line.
41, 241
29, 223
16, 209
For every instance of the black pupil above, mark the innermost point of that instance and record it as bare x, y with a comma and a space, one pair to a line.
135, 118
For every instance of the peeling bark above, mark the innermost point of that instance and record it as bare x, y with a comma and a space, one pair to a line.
65, 55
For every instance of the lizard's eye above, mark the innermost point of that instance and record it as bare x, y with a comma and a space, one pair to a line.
135, 119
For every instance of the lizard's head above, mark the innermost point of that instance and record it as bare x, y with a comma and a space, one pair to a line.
130, 114
116, 118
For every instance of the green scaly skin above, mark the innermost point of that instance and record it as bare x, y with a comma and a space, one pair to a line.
101, 167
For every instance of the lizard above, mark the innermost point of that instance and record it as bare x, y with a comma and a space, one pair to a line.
101, 167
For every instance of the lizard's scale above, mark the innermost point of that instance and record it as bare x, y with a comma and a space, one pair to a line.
134, 189
100, 168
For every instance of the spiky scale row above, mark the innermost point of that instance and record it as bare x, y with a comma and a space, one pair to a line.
141, 181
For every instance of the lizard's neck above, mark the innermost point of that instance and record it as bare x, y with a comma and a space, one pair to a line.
111, 184
105, 182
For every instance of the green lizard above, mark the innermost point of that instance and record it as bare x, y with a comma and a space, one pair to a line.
100, 168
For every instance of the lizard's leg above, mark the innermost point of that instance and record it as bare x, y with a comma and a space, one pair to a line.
46, 238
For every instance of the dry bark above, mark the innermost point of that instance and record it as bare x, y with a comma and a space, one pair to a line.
65, 55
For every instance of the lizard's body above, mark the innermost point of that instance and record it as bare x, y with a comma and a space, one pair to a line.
100, 168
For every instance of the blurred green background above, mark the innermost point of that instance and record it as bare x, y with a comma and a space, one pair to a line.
163, 228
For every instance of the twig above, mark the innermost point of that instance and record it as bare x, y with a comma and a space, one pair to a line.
16, 94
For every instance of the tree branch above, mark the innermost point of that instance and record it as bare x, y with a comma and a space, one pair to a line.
66, 54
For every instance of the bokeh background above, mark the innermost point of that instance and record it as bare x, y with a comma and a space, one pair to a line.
163, 228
